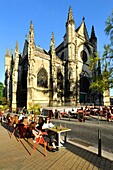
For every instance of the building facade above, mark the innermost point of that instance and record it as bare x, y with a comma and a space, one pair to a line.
60, 76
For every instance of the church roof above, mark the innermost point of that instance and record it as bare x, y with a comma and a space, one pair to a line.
82, 30
60, 47
41, 50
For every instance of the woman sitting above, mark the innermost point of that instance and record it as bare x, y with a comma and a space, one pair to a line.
8, 118
40, 123
36, 132
25, 121
21, 126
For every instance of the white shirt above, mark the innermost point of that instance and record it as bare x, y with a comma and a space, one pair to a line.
47, 125
21, 117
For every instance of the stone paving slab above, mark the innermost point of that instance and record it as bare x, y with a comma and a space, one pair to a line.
15, 155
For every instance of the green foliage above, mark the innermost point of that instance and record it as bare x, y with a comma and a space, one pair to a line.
5, 104
35, 108
93, 60
102, 80
109, 27
1, 91
109, 48
106, 50
5, 101
98, 85
1, 107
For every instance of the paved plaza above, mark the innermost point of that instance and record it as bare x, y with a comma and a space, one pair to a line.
15, 155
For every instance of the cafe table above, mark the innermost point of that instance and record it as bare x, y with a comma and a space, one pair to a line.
60, 130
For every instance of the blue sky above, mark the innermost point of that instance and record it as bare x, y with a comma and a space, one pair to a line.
48, 16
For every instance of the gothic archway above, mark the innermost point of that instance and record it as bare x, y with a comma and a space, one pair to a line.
60, 84
84, 84
84, 89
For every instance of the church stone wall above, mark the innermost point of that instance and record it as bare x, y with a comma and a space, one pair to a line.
63, 67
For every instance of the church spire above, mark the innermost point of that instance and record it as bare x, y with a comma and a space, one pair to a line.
70, 16
70, 35
93, 36
7, 60
7, 52
52, 51
52, 44
16, 48
31, 33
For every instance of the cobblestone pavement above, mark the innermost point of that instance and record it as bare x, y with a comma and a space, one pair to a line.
88, 131
15, 155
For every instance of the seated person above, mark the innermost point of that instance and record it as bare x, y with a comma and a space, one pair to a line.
25, 121
21, 117
8, 118
47, 124
14, 121
40, 123
51, 134
37, 133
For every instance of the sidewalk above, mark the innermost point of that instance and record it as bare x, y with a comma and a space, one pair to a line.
15, 156
99, 117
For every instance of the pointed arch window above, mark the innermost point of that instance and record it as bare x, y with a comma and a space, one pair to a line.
24, 77
42, 78
84, 56
59, 80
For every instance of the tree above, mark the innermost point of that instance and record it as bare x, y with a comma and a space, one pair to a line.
109, 27
1, 92
102, 79
108, 52
97, 84
102, 67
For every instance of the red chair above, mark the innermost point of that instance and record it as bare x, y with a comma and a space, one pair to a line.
22, 131
81, 115
40, 140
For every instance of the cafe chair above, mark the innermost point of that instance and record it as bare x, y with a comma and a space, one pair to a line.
40, 140
22, 132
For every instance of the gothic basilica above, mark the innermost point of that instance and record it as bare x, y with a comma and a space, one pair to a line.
57, 77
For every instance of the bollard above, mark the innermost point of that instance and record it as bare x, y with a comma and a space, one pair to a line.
99, 143
69, 117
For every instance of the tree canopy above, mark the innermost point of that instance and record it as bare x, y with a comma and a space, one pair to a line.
102, 66
1, 92
109, 27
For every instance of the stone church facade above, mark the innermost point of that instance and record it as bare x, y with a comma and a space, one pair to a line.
57, 77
